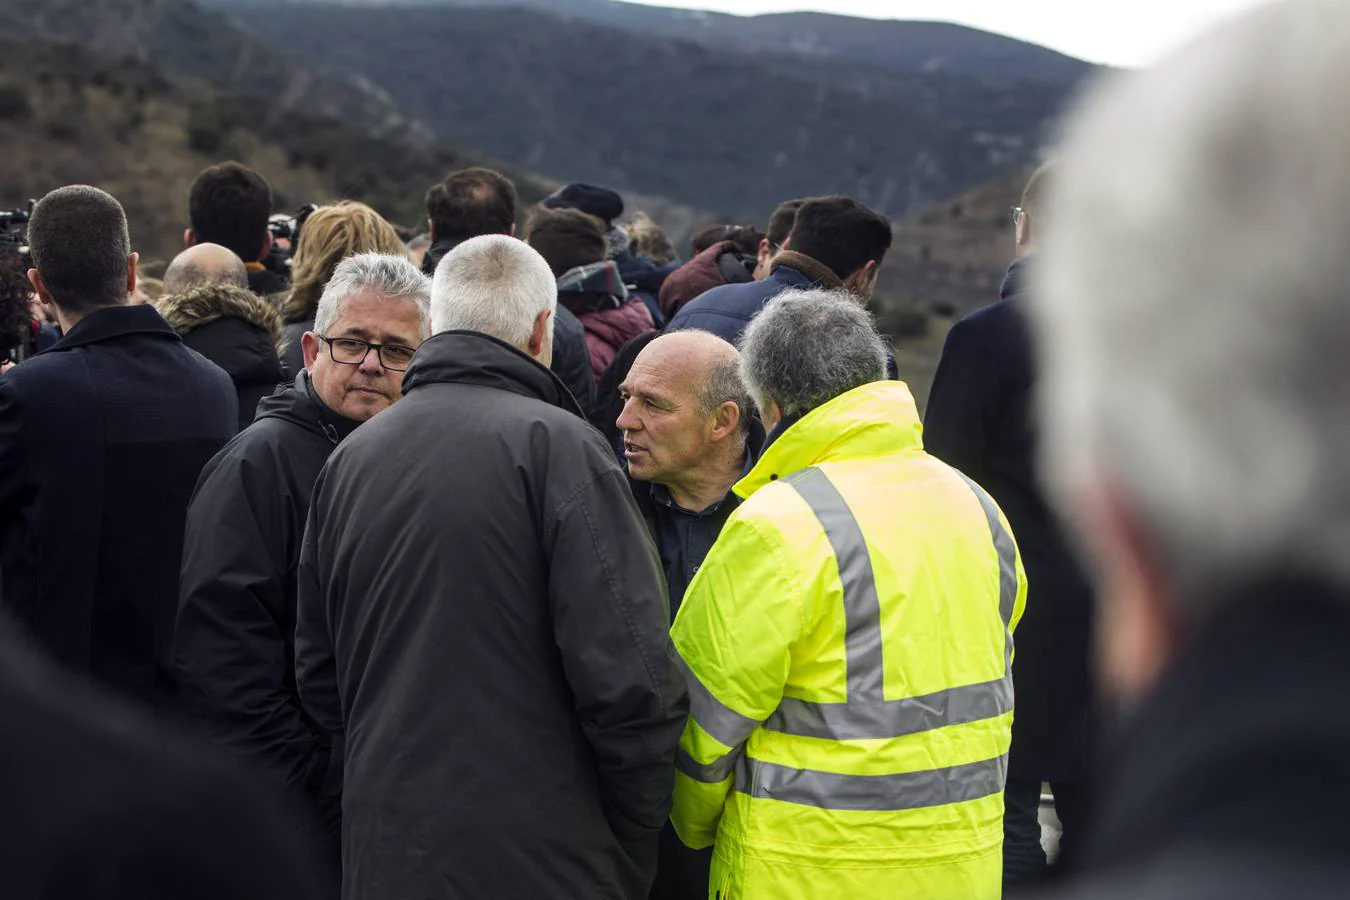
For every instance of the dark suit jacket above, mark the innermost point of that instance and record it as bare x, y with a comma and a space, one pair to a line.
102, 438
99, 801
979, 420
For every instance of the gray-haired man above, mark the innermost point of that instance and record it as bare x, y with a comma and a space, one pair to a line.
236, 623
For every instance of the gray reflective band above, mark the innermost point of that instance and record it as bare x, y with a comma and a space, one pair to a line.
715, 772
721, 722
878, 793
862, 608
856, 721
874, 717
1006, 549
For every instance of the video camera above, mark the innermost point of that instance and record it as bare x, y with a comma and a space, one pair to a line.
285, 231
14, 231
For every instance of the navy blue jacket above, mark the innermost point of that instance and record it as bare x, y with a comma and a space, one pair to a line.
726, 310
102, 438
980, 421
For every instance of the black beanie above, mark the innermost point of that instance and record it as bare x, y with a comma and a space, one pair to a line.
601, 202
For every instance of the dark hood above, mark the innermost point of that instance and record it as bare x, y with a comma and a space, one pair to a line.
593, 288
469, 357
1015, 281
298, 404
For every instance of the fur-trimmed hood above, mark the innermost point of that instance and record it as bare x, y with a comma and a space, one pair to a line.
203, 304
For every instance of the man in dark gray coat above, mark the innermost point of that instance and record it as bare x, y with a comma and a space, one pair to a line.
483, 617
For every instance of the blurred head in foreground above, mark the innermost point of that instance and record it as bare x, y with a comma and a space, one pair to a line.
1193, 321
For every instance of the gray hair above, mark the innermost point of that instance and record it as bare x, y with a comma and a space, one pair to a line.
495, 285
393, 277
1191, 306
808, 347
723, 384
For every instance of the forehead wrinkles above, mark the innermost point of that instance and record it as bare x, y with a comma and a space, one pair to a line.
663, 375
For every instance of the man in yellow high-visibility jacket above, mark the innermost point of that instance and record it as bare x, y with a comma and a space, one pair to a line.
848, 641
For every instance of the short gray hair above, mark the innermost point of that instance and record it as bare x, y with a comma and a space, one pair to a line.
1191, 303
495, 285
724, 383
808, 347
394, 277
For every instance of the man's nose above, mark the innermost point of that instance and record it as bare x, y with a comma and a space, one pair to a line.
370, 363
627, 420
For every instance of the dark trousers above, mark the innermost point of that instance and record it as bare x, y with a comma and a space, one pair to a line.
1024, 861
681, 873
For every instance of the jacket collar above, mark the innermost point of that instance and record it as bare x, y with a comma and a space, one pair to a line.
111, 322
817, 273
1015, 280
1243, 740
335, 427
872, 420
470, 357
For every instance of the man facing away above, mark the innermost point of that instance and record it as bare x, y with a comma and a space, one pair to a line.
483, 618
229, 204
1194, 387
848, 641
235, 639
836, 242
979, 420
476, 201
102, 438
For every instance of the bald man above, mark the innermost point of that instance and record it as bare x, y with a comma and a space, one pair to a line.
205, 264
689, 434
686, 436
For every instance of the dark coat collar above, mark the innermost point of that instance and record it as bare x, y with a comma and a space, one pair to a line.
111, 322
1016, 280
469, 357
1242, 745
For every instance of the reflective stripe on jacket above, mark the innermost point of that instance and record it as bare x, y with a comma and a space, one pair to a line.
848, 647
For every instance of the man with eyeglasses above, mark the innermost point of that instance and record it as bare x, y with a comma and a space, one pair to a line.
235, 636
979, 421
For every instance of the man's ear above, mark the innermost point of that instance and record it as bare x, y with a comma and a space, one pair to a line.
44, 296
1024, 237
189, 239
431, 230
726, 421
513, 229
765, 248
539, 336
267, 247
309, 348
132, 262
863, 282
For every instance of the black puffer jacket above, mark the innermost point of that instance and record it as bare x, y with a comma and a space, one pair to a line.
235, 638
572, 359
484, 616
235, 329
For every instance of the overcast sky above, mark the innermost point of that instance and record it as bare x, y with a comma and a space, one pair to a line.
1115, 32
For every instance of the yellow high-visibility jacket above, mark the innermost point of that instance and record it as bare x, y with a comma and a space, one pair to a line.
848, 647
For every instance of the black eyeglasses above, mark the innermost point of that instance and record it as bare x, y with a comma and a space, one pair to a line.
353, 352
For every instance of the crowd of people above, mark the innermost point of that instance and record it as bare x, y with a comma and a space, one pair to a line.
520, 558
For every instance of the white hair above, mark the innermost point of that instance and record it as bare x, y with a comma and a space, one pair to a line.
1191, 304
393, 277
496, 285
